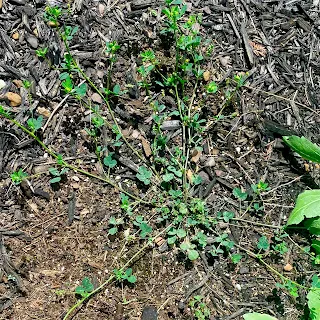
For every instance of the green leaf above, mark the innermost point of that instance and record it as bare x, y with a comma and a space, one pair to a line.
212, 87
304, 147
35, 124
81, 90
85, 288
227, 215
172, 240
132, 279
109, 162
145, 229
196, 179
314, 303
168, 177
193, 254
258, 316
307, 206
54, 171
181, 233
113, 231
313, 225
116, 89
316, 246
239, 194
55, 180
144, 175
87, 285
236, 257
315, 281
184, 246
263, 243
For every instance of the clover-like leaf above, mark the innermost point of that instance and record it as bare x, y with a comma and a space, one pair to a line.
109, 162
144, 175
85, 288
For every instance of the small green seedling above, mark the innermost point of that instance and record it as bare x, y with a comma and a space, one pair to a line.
85, 288
237, 192
175, 234
236, 258
18, 176
57, 174
42, 52
115, 223
260, 187
190, 250
109, 161
35, 124
144, 227
199, 308
125, 276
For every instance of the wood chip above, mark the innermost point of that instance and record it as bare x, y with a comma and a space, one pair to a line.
14, 99
206, 75
146, 147
288, 267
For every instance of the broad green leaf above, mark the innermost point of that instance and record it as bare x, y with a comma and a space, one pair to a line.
258, 316
314, 303
313, 225
132, 279
109, 162
184, 246
315, 281
316, 246
307, 206
304, 147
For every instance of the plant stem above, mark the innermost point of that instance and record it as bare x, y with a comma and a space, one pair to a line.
81, 301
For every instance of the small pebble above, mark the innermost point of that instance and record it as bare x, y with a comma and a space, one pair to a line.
238, 286
181, 305
288, 267
33, 42
149, 313
14, 99
15, 36
2, 84
96, 98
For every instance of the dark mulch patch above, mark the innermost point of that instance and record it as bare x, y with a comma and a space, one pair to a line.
51, 239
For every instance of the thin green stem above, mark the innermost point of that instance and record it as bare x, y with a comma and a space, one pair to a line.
112, 277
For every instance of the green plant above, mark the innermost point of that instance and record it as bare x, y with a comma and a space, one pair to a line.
125, 275
18, 176
115, 223
42, 52
35, 124
85, 288
57, 174
199, 308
